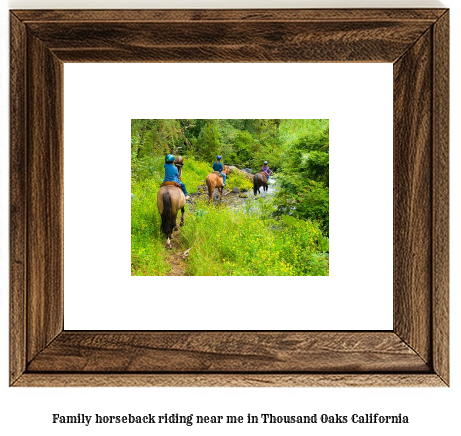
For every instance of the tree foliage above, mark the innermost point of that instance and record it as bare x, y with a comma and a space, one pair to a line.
304, 174
241, 142
208, 142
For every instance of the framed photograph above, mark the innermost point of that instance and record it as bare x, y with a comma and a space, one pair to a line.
414, 353
222, 209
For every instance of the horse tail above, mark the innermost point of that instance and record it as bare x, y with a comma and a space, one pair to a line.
255, 184
210, 193
167, 215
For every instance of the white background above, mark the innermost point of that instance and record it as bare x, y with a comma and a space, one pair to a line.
430, 410
100, 294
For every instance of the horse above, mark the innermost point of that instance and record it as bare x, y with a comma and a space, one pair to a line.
169, 200
215, 180
178, 163
259, 180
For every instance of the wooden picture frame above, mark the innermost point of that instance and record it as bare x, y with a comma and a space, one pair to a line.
414, 353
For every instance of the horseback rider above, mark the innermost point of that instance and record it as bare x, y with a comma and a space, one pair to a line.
218, 166
266, 170
172, 173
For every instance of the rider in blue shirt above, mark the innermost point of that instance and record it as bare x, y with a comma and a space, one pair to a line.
172, 173
218, 166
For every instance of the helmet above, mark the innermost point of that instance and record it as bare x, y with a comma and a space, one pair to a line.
219, 157
169, 158
265, 162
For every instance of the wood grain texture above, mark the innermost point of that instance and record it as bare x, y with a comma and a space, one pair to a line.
18, 211
230, 380
413, 196
326, 41
205, 15
440, 207
414, 354
44, 198
236, 352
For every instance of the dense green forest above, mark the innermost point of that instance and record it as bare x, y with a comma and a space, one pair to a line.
285, 233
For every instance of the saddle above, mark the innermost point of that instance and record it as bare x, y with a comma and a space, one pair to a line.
217, 173
171, 184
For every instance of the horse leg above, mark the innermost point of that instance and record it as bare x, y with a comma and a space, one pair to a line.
210, 194
182, 217
172, 220
210, 190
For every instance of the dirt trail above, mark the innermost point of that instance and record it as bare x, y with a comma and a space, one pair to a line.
176, 257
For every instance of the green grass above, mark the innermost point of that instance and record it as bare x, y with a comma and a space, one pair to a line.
246, 242
194, 174
148, 256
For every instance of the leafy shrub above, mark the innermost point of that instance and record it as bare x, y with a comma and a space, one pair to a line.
304, 175
304, 199
237, 180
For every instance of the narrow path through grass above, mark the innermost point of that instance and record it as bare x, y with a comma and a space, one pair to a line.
175, 256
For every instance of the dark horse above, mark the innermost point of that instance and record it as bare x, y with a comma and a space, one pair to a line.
259, 180
169, 200
215, 180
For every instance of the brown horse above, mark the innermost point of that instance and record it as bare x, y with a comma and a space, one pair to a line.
169, 200
178, 163
259, 180
215, 180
